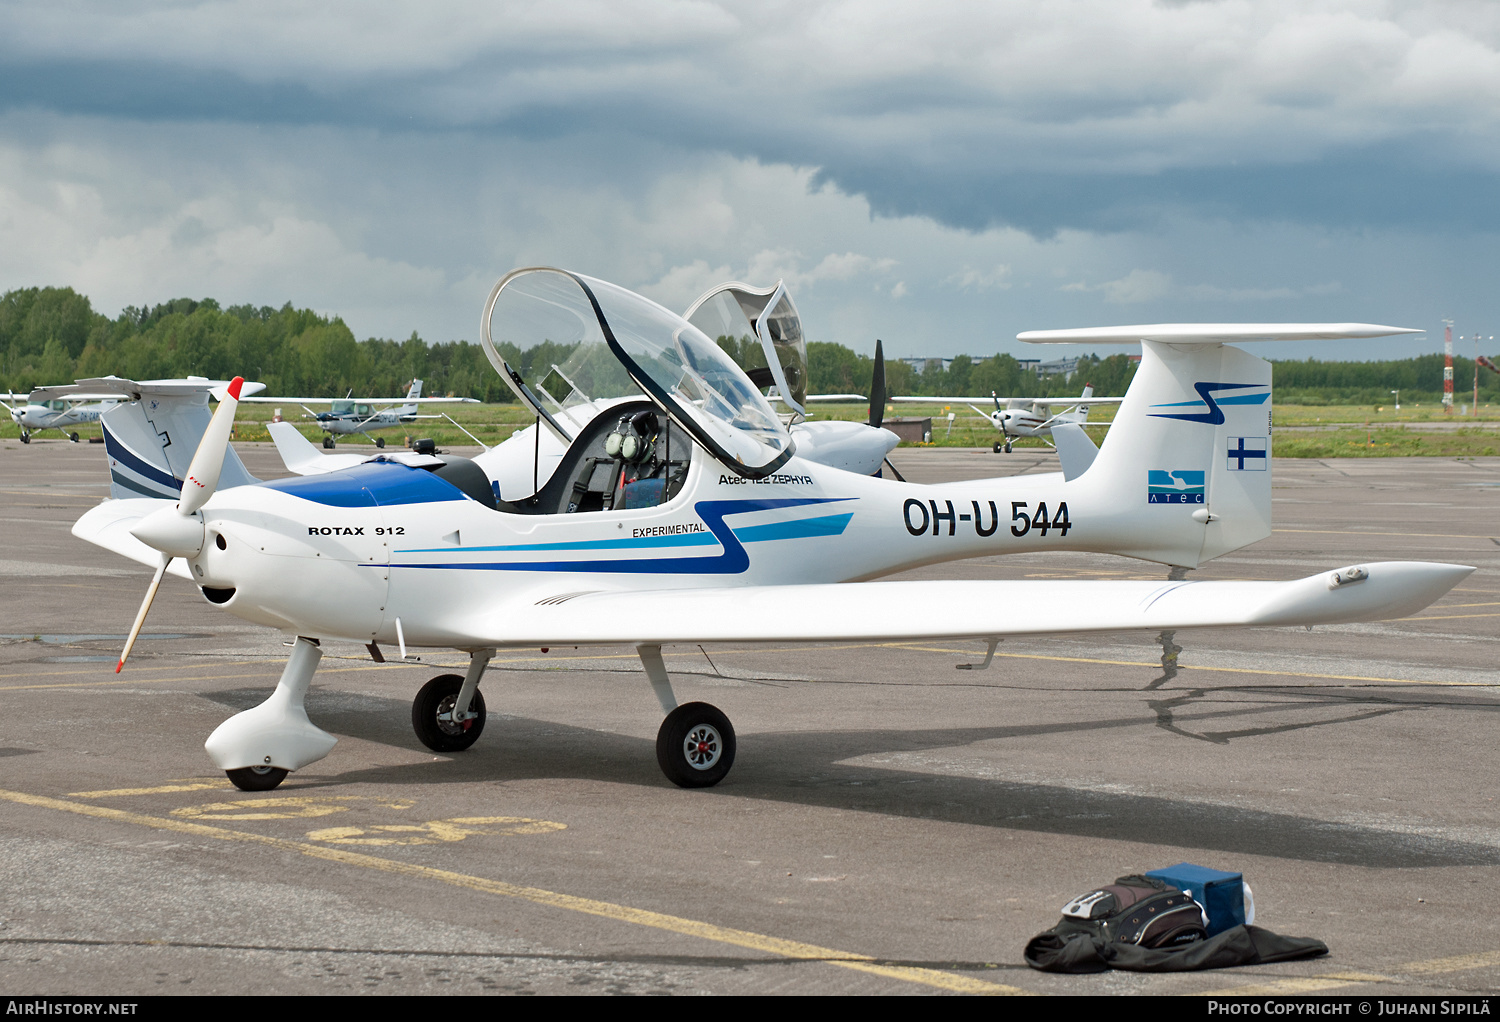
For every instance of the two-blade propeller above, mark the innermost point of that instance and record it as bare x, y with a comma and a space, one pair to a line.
877, 388
877, 399
178, 531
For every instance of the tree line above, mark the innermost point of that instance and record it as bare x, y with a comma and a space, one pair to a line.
52, 335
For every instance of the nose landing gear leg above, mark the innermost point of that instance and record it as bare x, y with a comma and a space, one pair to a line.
695, 745
258, 747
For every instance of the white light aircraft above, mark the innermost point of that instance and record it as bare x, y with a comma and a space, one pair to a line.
347, 416
58, 408
1027, 416
682, 513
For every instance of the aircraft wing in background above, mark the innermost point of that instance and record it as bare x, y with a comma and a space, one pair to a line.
919, 399
364, 400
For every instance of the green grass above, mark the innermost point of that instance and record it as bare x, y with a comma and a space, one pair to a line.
1386, 435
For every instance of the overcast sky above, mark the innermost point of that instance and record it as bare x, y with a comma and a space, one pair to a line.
941, 175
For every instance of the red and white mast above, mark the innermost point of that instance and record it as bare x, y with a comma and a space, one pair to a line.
1447, 367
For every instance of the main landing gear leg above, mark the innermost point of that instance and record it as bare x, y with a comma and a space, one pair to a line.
448, 714
695, 746
258, 747
989, 658
1166, 639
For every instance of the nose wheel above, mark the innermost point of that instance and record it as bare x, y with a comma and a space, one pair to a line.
432, 715
695, 746
256, 778
328, 443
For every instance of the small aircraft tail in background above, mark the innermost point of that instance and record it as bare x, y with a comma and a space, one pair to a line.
411, 407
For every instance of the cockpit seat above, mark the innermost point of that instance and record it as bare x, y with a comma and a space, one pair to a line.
591, 477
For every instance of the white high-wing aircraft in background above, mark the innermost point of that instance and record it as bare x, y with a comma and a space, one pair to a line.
681, 512
59, 408
347, 416
1026, 416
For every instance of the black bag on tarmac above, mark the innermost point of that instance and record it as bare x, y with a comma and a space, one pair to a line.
1141, 924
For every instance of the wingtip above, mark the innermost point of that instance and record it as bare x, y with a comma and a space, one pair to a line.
235, 386
119, 666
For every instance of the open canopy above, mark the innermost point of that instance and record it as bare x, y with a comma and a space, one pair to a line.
760, 328
600, 342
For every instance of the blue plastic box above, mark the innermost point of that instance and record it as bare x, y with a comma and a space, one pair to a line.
1221, 894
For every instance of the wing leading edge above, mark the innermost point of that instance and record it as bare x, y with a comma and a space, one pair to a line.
898, 611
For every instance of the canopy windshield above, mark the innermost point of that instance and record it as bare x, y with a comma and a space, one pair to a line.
584, 340
758, 327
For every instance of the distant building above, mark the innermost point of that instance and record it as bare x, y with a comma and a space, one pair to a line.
1056, 367
921, 365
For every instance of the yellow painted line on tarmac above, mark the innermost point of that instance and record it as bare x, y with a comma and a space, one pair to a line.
1189, 667
1448, 617
1303, 985
1333, 980
201, 677
1356, 532
160, 789
790, 949
1455, 606
1457, 963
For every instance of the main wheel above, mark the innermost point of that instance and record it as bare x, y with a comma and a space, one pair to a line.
328, 443
380, 442
256, 778
73, 437
695, 746
432, 715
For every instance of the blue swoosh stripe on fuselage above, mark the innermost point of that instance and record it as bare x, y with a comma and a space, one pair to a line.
732, 561
826, 525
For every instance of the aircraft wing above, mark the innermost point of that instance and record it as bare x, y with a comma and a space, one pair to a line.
108, 525
262, 400
908, 611
836, 397
918, 399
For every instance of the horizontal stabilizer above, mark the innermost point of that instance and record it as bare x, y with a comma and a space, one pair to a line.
108, 525
104, 388
1213, 333
896, 611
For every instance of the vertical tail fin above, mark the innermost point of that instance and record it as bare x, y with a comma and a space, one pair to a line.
1192, 446
150, 439
415, 390
1192, 440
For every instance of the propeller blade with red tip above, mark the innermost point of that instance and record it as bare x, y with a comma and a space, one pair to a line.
176, 530
208, 459
140, 617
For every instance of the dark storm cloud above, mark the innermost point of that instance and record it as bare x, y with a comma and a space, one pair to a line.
1092, 116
